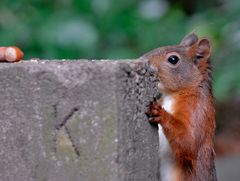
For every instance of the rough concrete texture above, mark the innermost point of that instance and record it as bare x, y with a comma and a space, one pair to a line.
76, 121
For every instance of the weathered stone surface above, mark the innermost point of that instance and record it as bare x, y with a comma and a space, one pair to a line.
76, 121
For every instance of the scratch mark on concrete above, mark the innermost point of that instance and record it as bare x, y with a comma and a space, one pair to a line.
63, 125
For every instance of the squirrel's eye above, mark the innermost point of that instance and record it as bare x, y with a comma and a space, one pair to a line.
173, 59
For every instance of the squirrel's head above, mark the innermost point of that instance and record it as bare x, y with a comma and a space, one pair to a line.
181, 66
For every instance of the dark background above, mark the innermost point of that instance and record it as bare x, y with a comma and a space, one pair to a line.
125, 29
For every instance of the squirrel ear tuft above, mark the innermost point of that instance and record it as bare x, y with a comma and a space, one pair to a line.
203, 49
189, 40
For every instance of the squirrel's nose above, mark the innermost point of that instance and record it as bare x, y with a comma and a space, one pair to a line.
151, 69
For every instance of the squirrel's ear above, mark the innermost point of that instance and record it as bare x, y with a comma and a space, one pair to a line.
203, 49
189, 40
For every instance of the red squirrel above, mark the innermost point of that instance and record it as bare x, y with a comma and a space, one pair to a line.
185, 113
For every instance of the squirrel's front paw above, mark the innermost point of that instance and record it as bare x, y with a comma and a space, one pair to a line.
154, 112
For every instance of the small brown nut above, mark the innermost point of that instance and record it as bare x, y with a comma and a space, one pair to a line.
13, 54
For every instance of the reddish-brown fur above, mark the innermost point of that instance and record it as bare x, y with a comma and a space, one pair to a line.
190, 128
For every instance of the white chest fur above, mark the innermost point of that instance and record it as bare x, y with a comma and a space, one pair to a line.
166, 156
167, 103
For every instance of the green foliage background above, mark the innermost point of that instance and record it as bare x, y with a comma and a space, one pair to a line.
122, 29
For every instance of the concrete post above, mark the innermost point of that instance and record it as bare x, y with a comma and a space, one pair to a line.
76, 121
